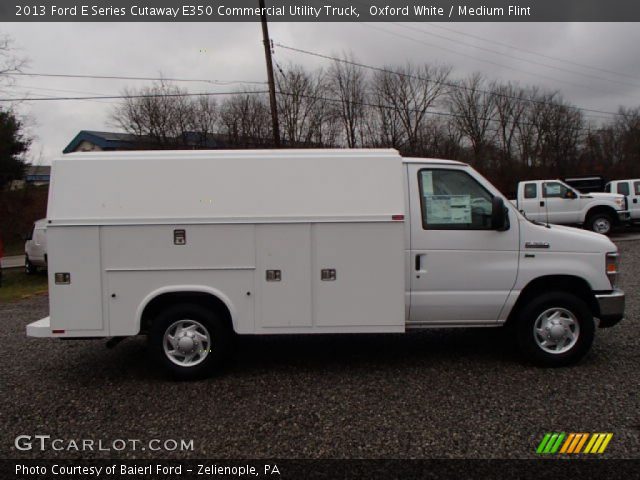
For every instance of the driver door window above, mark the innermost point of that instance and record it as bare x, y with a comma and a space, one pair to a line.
555, 190
453, 200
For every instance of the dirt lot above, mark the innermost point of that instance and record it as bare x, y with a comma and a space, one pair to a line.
447, 393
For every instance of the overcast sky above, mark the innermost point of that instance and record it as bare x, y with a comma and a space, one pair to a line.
233, 51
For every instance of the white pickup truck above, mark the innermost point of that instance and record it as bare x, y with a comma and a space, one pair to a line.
631, 190
553, 201
192, 247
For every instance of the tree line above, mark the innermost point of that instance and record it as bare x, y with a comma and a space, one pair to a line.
507, 131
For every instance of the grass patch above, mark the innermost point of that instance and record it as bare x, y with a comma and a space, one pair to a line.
17, 285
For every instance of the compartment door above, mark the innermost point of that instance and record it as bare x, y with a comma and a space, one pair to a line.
283, 253
367, 290
76, 306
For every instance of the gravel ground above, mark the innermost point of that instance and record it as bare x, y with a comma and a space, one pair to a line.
441, 393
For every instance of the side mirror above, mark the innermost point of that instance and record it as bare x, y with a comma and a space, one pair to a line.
499, 218
570, 194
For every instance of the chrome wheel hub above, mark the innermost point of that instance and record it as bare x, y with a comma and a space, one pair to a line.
602, 225
186, 343
556, 330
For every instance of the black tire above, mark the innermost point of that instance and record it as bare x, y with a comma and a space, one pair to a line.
219, 333
29, 267
601, 222
530, 343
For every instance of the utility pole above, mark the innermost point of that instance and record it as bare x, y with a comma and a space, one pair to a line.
272, 84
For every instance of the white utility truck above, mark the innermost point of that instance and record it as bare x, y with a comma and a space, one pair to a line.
631, 190
553, 201
192, 247
35, 247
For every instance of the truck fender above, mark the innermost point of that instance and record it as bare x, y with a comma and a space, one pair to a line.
184, 289
608, 207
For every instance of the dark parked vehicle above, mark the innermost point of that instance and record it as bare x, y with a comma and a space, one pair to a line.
587, 183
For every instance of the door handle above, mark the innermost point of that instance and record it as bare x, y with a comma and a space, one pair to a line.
635, 200
418, 263
542, 203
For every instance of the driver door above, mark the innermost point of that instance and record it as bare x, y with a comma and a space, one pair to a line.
561, 204
461, 270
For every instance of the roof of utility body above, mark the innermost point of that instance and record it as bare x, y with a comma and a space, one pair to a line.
242, 186
310, 152
239, 153
435, 161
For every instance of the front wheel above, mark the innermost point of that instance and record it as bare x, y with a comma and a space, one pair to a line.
190, 341
600, 223
555, 329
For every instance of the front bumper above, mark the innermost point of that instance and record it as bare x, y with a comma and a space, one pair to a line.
611, 306
624, 215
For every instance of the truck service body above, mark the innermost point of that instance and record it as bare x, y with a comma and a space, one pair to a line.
193, 246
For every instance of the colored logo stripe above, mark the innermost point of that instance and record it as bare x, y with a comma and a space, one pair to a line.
550, 443
567, 443
574, 443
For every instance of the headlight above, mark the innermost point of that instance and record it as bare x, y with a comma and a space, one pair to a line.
611, 267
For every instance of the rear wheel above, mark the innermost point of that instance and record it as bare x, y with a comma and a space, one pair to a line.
600, 223
189, 341
555, 329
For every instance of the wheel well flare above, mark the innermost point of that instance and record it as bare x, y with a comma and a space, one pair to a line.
164, 300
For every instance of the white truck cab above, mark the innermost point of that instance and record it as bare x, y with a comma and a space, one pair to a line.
553, 201
309, 241
631, 190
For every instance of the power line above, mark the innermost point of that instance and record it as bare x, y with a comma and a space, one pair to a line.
448, 84
501, 65
301, 95
121, 97
546, 65
532, 52
33, 87
314, 97
116, 77
15, 97
414, 110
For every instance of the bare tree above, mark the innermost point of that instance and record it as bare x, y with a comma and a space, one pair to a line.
508, 131
154, 112
10, 60
473, 107
164, 116
614, 148
347, 85
300, 105
246, 120
14, 137
411, 92
510, 108
205, 119
626, 129
385, 124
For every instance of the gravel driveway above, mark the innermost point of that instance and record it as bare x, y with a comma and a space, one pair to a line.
442, 393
